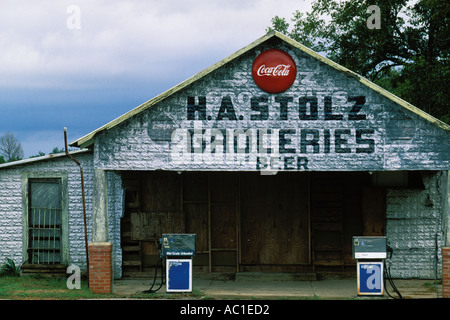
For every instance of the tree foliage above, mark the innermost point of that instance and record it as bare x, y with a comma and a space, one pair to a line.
55, 150
408, 54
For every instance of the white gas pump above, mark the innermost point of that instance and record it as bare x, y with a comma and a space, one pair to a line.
370, 252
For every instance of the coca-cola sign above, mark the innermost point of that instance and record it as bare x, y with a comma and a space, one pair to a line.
274, 71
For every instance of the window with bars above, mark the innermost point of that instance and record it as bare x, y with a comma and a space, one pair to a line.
44, 221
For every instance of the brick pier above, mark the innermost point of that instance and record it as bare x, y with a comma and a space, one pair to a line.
446, 272
100, 267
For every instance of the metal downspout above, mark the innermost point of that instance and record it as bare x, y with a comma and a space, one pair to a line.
84, 201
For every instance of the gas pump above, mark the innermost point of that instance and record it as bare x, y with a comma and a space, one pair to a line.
370, 253
178, 250
175, 262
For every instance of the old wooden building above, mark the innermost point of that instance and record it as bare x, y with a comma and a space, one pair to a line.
274, 157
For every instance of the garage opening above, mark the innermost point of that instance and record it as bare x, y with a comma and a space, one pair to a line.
245, 221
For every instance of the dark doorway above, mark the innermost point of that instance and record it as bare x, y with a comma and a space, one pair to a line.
245, 221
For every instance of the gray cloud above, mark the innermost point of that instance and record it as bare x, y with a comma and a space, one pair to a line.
123, 37
123, 51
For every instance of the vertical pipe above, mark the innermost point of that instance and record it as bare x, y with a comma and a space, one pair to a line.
83, 198
309, 220
39, 236
31, 236
54, 236
34, 236
238, 220
209, 224
47, 231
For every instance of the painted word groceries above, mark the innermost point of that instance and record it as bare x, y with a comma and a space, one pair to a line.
279, 128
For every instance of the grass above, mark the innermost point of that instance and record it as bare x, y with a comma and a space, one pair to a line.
43, 288
55, 288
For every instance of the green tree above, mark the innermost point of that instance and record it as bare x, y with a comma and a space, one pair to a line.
57, 150
39, 154
54, 151
407, 53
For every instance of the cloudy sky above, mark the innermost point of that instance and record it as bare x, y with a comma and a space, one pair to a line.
82, 63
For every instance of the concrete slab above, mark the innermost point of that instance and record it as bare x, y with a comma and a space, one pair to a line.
345, 289
278, 276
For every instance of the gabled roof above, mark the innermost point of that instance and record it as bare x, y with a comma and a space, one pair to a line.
88, 139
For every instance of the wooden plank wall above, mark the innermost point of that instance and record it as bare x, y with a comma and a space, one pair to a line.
339, 207
274, 213
291, 221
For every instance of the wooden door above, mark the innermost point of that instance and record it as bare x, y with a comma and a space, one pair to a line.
274, 219
211, 211
374, 211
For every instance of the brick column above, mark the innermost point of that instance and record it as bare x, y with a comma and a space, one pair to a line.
100, 267
446, 272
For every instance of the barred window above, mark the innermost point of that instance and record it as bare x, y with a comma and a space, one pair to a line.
44, 221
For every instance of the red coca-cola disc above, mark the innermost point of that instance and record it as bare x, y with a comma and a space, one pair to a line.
274, 71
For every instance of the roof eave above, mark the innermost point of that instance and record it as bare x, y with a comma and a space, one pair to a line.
42, 158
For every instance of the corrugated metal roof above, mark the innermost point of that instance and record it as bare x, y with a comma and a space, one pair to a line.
88, 139
42, 158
